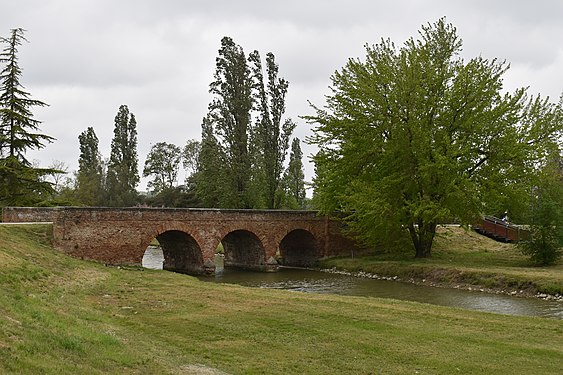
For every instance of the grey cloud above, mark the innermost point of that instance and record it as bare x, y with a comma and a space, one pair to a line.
86, 57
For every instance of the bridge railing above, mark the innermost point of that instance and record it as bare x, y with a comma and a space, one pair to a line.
501, 230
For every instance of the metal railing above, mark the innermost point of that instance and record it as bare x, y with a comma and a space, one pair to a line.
501, 230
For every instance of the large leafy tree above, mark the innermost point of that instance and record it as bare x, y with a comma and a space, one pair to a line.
163, 163
272, 132
416, 135
90, 177
20, 182
122, 173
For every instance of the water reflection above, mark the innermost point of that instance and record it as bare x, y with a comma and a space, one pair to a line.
320, 282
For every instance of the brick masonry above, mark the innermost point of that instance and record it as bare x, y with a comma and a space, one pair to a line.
252, 238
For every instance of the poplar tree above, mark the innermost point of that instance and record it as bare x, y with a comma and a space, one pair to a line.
230, 118
294, 177
271, 136
211, 187
89, 178
122, 172
241, 161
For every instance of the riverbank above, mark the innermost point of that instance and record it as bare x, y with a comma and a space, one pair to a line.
60, 315
462, 260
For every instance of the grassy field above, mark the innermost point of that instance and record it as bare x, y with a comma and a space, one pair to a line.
463, 257
65, 316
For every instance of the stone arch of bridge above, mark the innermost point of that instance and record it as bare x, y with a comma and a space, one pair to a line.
180, 247
244, 249
299, 248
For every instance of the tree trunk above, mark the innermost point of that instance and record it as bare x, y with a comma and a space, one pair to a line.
422, 235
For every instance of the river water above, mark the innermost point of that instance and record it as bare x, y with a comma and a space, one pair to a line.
310, 281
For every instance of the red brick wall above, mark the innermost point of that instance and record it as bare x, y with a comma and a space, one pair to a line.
121, 235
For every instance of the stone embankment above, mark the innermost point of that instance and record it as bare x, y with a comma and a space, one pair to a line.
473, 288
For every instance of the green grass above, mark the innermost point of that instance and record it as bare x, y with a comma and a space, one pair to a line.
65, 316
463, 257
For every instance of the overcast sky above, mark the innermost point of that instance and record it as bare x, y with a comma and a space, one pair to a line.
87, 57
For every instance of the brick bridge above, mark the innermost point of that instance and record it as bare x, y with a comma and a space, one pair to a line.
253, 239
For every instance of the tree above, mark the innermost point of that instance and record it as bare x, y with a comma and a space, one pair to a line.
190, 156
294, 177
17, 125
20, 182
163, 162
545, 244
58, 179
271, 138
90, 177
229, 114
23, 185
122, 173
175, 197
209, 178
414, 136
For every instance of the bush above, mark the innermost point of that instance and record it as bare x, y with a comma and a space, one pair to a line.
544, 245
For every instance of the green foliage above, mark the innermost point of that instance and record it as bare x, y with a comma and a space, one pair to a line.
122, 174
210, 179
175, 197
294, 178
413, 136
20, 182
163, 162
240, 164
271, 137
545, 245
89, 178
229, 115
190, 155
17, 125
22, 185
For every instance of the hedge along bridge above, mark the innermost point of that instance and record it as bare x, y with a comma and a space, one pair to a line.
252, 239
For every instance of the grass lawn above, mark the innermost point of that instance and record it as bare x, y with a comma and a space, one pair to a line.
460, 256
60, 315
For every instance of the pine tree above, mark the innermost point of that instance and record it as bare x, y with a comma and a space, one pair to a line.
122, 173
17, 125
271, 139
294, 178
20, 182
89, 178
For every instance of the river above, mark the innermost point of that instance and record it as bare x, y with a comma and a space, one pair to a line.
311, 281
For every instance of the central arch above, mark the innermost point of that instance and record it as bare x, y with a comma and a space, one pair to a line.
181, 252
299, 248
243, 249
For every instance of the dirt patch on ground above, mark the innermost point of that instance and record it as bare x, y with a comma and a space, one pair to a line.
80, 277
201, 370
